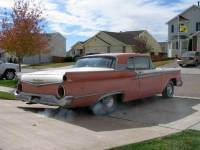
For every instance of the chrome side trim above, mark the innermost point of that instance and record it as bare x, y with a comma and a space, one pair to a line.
110, 94
99, 93
149, 73
36, 84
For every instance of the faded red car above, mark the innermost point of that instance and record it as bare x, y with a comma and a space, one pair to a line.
99, 81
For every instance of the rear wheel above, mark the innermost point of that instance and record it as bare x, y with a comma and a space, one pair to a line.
168, 92
105, 106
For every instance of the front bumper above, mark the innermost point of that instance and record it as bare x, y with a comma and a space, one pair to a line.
44, 99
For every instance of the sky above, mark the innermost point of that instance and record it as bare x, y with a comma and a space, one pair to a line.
78, 20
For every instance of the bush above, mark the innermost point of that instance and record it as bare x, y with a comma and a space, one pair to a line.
69, 59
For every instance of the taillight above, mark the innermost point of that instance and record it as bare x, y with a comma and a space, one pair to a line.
19, 88
61, 91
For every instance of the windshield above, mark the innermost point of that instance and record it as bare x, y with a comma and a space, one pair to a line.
189, 54
101, 62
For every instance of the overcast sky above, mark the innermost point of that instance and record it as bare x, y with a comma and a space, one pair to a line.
78, 20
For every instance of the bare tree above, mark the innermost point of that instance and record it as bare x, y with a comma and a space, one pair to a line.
142, 46
21, 30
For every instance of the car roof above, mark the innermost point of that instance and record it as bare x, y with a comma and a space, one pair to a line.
121, 57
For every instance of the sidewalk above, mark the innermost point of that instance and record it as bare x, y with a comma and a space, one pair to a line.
6, 89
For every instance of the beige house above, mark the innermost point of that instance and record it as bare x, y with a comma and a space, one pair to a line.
56, 47
114, 42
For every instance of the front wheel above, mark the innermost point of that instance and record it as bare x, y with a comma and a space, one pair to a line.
10, 75
105, 106
168, 92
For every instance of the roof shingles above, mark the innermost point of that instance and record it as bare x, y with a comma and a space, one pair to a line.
125, 37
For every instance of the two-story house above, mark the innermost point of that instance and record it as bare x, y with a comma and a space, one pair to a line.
56, 50
184, 32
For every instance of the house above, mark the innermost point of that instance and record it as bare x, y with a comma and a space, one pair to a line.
56, 47
114, 42
77, 49
184, 32
164, 47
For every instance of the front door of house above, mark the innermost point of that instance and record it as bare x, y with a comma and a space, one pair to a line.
194, 43
190, 45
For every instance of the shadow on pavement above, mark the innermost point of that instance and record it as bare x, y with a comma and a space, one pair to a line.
136, 114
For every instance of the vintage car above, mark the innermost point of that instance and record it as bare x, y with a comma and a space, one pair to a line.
99, 81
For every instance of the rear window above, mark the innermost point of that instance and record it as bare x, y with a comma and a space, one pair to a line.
101, 62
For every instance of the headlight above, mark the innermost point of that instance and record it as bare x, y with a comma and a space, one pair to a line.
61, 91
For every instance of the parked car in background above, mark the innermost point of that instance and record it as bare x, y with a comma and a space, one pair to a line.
189, 58
99, 81
8, 70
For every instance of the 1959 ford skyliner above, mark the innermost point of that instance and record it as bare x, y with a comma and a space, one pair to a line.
99, 81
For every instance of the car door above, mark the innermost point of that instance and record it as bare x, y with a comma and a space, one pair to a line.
150, 80
132, 84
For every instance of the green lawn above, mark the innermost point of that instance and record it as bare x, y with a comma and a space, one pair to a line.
52, 65
6, 96
186, 140
161, 63
8, 83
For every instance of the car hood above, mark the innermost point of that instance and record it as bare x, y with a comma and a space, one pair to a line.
55, 76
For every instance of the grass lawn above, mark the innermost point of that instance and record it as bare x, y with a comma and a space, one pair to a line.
161, 63
186, 140
52, 65
6, 96
8, 83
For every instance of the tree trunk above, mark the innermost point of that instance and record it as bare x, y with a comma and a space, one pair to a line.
19, 62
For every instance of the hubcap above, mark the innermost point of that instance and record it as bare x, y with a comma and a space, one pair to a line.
10, 75
169, 90
108, 102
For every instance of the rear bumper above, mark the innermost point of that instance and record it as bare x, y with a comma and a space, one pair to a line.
44, 99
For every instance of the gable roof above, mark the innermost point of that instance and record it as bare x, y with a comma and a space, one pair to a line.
125, 37
192, 7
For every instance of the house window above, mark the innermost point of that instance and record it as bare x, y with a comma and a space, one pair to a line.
198, 26
172, 28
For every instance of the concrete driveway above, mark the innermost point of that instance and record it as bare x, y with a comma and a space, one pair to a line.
40, 127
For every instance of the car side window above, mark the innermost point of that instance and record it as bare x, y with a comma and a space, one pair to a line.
141, 63
130, 64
